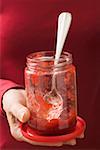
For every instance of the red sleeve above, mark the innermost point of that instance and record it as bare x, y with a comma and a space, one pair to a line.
6, 85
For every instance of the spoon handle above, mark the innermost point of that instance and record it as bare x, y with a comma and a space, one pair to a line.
64, 22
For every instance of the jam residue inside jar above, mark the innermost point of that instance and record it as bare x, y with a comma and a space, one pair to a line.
58, 117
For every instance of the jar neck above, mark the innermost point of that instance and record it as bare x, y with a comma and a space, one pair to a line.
45, 60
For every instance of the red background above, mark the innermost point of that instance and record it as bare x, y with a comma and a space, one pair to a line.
28, 26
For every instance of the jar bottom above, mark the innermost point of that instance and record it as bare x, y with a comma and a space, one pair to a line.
53, 128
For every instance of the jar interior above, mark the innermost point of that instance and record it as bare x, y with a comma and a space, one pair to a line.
54, 116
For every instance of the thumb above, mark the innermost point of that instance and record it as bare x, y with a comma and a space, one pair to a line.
20, 112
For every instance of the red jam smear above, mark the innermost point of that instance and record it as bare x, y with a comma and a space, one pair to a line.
37, 85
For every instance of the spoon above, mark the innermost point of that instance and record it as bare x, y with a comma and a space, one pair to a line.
53, 97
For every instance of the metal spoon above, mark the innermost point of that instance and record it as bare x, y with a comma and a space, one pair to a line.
53, 97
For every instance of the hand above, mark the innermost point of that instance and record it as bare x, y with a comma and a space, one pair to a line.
14, 104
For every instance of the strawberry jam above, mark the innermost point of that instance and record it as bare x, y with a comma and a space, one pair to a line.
51, 116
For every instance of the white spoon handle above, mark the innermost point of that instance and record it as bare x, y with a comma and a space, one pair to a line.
64, 22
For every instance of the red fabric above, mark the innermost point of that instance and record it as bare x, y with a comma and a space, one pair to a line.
29, 26
5, 85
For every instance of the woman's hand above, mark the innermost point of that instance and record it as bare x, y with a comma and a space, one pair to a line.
14, 104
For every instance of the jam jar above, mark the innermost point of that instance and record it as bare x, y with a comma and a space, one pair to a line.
55, 113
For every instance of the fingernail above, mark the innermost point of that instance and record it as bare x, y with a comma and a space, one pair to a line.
25, 115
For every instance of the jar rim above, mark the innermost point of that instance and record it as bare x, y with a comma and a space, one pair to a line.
42, 56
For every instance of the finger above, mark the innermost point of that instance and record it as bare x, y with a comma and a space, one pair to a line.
70, 142
10, 119
81, 136
14, 127
20, 112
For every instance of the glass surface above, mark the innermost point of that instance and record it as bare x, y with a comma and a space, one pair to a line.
51, 116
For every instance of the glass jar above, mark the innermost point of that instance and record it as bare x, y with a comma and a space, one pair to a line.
54, 114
